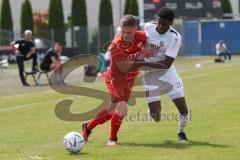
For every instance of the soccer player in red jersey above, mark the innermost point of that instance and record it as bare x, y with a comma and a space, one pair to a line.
128, 46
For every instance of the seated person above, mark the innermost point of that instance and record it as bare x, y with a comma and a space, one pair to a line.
24, 49
52, 61
221, 50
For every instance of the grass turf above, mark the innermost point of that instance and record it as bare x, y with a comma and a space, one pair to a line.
29, 128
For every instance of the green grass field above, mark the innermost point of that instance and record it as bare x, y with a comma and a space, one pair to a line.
30, 130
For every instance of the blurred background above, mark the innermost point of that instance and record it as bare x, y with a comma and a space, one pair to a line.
84, 26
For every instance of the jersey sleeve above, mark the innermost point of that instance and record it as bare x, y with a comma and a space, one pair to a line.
32, 44
174, 46
52, 54
143, 40
147, 27
17, 42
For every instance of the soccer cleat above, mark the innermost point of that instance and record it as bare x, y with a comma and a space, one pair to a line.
85, 131
112, 142
182, 137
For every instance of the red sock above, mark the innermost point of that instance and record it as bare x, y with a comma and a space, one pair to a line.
115, 124
101, 118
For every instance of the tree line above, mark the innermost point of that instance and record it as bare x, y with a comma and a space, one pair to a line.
51, 24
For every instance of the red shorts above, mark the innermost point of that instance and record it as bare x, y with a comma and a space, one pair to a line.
119, 89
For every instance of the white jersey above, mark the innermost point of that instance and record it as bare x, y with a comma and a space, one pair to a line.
167, 44
220, 48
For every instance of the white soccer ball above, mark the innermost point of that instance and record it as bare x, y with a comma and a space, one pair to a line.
198, 65
73, 142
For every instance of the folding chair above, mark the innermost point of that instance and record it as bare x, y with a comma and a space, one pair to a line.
46, 73
33, 74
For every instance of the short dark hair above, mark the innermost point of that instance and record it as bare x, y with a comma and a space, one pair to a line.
58, 43
166, 13
128, 21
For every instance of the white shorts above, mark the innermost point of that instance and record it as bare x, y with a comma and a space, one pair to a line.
158, 82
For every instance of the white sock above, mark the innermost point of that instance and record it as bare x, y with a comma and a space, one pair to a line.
182, 122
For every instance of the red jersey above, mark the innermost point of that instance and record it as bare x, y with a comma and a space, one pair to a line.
125, 51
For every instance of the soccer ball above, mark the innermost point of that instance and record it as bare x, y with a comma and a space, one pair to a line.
198, 65
73, 142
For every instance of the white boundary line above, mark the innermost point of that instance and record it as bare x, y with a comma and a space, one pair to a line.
27, 105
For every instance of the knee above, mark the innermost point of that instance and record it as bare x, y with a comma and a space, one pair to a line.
121, 109
183, 111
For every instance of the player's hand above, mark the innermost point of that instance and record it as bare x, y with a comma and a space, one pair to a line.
141, 57
148, 52
17, 52
29, 55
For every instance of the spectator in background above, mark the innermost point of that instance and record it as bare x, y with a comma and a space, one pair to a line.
52, 61
221, 50
101, 63
24, 49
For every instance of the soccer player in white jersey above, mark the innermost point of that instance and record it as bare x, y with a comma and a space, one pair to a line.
167, 42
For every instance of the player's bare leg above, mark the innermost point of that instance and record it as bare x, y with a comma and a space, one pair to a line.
155, 110
103, 116
117, 117
183, 110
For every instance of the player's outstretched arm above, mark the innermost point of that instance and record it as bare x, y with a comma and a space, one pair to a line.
127, 66
123, 62
164, 64
145, 53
